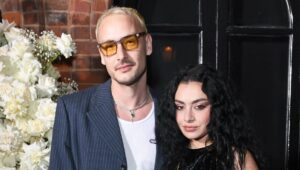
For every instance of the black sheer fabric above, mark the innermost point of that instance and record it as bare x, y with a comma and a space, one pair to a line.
200, 159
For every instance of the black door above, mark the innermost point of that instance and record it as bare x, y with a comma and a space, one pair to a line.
255, 43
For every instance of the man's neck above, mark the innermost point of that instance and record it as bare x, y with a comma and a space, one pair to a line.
130, 95
132, 103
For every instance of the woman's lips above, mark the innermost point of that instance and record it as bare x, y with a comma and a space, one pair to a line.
190, 128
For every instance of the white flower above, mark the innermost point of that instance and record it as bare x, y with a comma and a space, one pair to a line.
14, 107
35, 156
14, 34
1, 66
7, 68
28, 89
47, 40
46, 86
16, 99
10, 139
8, 161
65, 45
48, 135
46, 111
37, 127
22, 125
29, 69
18, 49
33, 93
6, 139
5, 25
52, 72
44, 117
4, 50
5, 86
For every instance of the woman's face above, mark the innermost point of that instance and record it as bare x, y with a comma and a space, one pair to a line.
192, 112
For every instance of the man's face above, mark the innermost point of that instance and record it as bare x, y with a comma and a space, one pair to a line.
126, 67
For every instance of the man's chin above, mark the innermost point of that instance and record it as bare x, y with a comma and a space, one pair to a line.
126, 82
129, 80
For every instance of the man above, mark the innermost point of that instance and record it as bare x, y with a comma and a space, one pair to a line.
111, 126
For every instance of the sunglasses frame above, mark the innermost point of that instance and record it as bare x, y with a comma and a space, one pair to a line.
137, 36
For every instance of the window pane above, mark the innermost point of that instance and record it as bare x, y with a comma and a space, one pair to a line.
176, 12
170, 53
259, 68
259, 12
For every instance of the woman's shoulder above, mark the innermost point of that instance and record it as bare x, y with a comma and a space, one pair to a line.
249, 162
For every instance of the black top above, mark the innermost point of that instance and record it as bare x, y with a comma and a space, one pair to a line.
199, 159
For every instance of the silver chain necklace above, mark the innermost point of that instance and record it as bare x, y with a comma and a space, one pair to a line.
132, 111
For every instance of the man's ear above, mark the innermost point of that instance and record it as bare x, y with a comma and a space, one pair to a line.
148, 44
101, 57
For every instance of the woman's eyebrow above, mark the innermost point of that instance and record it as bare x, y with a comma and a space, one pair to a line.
194, 101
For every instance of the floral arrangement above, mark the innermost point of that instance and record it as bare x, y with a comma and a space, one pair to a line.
29, 87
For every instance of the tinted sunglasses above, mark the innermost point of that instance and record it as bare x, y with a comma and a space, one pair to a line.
130, 42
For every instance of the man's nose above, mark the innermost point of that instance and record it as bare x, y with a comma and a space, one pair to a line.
121, 51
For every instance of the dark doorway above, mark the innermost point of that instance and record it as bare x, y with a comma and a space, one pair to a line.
255, 43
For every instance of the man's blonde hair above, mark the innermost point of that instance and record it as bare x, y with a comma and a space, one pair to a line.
123, 11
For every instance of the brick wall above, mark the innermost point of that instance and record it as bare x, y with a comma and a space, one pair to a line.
75, 17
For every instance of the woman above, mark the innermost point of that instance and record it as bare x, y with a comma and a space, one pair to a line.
201, 125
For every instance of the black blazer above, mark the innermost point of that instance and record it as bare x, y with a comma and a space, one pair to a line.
86, 133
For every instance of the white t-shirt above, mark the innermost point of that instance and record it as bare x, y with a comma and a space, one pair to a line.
138, 142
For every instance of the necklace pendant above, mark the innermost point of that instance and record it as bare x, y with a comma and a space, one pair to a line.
132, 113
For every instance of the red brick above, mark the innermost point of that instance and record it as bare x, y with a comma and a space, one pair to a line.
94, 76
13, 17
63, 66
39, 4
81, 6
101, 5
65, 74
80, 32
11, 5
58, 19
35, 28
29, 5
57, 4
80, 19
58, 30
96, 63
31, 18
93, 34
82, 86
95, 17
82, 63
86, 47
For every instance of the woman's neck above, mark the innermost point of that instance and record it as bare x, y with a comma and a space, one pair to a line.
197, 144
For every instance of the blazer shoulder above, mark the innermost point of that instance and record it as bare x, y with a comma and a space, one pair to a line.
80, 96
84, 97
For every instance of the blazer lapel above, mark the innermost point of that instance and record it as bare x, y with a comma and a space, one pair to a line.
159, 157
103, 116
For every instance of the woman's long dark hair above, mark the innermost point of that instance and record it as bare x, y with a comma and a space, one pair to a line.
228, 128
